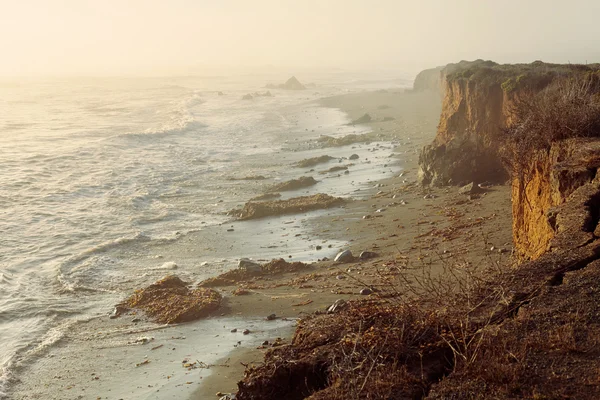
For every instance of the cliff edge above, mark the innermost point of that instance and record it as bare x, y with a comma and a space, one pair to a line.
478, 102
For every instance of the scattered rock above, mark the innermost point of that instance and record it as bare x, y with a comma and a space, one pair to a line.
234, 330
318, 247
247, 97
338, 305
340, 277
469, 189
365, 255
366, 291
265, 343
344, 256
221, 94
429, 196
271, 317
246, 331
353, 157
249, 266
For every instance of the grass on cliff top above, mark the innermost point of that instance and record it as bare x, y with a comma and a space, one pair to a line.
534, 76
567, 108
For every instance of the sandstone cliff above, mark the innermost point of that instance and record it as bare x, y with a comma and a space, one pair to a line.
553, 195
478, 99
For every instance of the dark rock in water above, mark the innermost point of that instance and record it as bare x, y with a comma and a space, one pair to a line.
338, 305
234, 330
271, 317
344, 256
247, 97
253, 210
243, 274
318, 247
249, 266
353, 157
294, 184
362, 120
365, 255
169, 300
266, 196
291, 84
246, 331
366, 292
311, 162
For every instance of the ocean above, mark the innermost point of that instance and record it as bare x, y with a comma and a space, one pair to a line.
108, 184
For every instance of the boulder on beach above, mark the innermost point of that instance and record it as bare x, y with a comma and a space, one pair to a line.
344, 256
294, 184
170, 301
253, 210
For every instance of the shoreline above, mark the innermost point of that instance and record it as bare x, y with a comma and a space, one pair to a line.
383, 233
397, 230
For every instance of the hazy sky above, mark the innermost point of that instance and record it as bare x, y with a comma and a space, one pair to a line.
152, 36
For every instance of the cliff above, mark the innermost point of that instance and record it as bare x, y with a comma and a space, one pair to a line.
478, 99
553, 178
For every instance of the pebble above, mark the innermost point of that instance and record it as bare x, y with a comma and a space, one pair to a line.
246, 331
366, 292
318, 247
234, 330
340, 277
230, 230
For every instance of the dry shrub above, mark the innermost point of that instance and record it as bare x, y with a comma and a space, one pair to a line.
567, 108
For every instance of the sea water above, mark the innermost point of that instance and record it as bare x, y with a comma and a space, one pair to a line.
103, 180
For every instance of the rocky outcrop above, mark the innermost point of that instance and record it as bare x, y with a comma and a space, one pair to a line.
478, 103
294, 184
253, 210
550, 195
170, 300
291, 84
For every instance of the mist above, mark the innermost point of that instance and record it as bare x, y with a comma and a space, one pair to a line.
85, 37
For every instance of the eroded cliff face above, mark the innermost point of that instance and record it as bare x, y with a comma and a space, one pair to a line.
558, 193
474, 114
